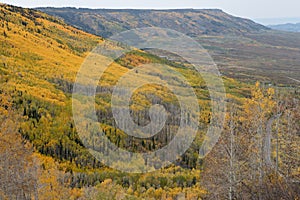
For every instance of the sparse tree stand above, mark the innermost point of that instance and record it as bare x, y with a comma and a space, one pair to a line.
18, 171
232, 177
241, 165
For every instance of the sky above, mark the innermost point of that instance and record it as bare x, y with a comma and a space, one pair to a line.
253, 9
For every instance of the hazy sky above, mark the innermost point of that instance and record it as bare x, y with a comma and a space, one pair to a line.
245, 8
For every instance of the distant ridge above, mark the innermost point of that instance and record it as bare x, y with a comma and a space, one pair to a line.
193, 22
276, 21
129, 9
287, 27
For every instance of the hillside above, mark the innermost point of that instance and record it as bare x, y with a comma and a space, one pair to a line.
36, 51
242, 49
37, 48
287, 27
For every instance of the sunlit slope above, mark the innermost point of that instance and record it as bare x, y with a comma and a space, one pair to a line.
36, 49
38, 55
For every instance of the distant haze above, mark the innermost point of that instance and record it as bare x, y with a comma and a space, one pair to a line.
255, 9
275, 21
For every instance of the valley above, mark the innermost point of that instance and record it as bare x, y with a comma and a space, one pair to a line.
241, 48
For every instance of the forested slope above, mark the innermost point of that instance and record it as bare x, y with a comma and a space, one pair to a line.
40, 56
